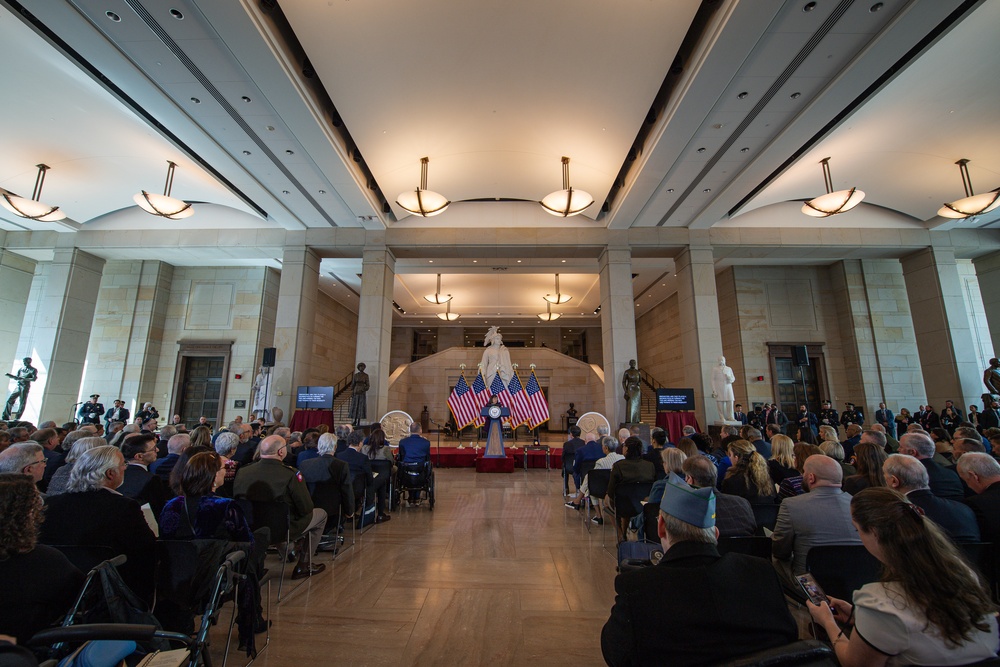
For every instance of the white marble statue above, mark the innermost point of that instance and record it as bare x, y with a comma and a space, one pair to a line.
496, 358
262, 392
722, 389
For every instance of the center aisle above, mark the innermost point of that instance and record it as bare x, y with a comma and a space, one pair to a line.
500, 573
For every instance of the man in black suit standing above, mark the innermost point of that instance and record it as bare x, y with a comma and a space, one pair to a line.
117, 413
568, 456
954, 408
982, 473
943, 483
139, 450
990, 416
636, 633
739, 415
885, 417
909, 477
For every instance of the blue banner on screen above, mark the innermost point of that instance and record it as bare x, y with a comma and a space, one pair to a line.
314, 397
668, 400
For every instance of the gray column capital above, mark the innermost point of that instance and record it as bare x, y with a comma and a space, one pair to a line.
378, 255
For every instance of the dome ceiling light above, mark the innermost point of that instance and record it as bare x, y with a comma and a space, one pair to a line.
832, 202
164, 206
566, 202
437, 297
423, 202
972, 204
557, 298
32, 209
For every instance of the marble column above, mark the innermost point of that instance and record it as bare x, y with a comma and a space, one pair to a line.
60, 333
988, 272
701, 333
943, 328
16, 273
617, 328
295, 321
378, 274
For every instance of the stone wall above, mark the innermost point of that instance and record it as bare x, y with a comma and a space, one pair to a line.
658, 343
334, 341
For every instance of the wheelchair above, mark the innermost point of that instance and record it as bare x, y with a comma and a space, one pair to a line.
416, 483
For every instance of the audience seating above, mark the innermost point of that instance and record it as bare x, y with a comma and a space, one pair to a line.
384, 467
753, 545
597, 483
276, 516
651, 515
841, 569
85, 558
326, 496
414, 478
805, 653
982, 556
765, 515
628, 503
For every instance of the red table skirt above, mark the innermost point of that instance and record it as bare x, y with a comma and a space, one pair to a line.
673, 422
453, 457
303, 419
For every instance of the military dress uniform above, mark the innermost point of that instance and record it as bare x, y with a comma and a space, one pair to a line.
270, 480
854, 416
91, 413
829, 417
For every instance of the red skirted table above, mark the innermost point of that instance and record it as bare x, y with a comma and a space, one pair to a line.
303, 419
673, 422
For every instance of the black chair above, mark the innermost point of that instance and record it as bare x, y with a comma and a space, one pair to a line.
651, 516
415, 482
982, 557
276, 516
841, 569
752, 545
597, 484
85, 557
805, 653
628, 503
765, 515
328, 497
384, 469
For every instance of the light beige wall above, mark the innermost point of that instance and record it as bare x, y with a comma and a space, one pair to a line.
334, 341
732, 335
16, 274
564, 379
658, 343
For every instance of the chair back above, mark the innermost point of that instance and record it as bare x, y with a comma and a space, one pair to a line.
275, 515
186, 568
841, 569
597, 482
803, 653
383, 468
750, 545
85, 557
586, 467
765, 515
413, 475
651, 514
982, 556
629, 497
327, 496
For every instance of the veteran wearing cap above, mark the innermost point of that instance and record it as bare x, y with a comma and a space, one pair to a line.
91, 411
694, 607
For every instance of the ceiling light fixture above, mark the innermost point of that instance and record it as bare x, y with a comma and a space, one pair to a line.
164, 205
832, 202
557, 297
32, 209
447, 314
423, 202
566, 202
437, 297
548, 315
972, 204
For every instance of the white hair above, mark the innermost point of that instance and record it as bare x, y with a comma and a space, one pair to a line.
910, 472
327, 444
91, 468
84, 445
226, 443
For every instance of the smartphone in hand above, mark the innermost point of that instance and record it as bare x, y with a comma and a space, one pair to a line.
813, 591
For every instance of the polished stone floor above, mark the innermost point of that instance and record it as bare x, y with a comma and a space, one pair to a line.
500, 573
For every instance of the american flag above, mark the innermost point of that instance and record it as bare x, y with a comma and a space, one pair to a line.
520, 411
480, 397
498, 388
463, 403
537, 406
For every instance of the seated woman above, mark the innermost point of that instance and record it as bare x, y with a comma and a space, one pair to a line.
197, 513
673, 462
782, 463
943, 446
835, 451
792, 486
748, 477
61, 477
868, 459
37, 583
929, 608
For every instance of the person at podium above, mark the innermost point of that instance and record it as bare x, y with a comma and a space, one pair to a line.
494, 414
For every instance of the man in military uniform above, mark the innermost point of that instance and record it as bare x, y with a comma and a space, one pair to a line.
269, 480
91, 411
828, 416
851, 415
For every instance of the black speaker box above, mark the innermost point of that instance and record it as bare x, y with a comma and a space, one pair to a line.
800, 355
269, 353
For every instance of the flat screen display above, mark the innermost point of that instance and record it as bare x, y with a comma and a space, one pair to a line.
669, 400
314, 397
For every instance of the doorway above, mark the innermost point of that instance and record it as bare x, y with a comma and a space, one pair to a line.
797, 385
201, 388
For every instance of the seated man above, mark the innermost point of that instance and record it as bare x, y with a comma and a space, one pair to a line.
733, 514
909, 477
177, 445
944, 483
415, 448
139, 450
691, 608
569, 457
591, 452
327, 468
269, 480
819, 517
362, 476
609, 446
982, 473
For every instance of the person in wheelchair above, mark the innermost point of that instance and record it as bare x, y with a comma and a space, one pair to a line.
416, 449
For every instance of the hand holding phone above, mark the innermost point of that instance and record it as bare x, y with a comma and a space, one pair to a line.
813, 590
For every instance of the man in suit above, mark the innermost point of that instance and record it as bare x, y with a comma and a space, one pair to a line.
568, 455
415, 448
909, 477
591, 451
327, 468
808, 420
943, 483
820, 517
270, 480
177, 445
361, 473
93, 513
887, 420
246, 449
117, 413
853, 438
738, 414
91, 411
702, 594
139, 450
982, 473
954, 408
990, 416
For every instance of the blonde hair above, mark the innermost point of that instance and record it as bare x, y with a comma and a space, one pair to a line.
752, 466
782, 450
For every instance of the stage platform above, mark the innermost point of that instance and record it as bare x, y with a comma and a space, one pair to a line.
453, 457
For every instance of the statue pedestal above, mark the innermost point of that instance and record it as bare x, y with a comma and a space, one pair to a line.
725, 422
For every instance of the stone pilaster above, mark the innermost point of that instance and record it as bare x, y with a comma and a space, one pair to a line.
378, 273
16, 274
701, 333
617, 328
294, 322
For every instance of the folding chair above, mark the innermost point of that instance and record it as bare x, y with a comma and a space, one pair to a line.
597, 485
765, 516
628, 503
276, 516
841, 569
85, 557
328, 497
384, 468
752, 545
651, 515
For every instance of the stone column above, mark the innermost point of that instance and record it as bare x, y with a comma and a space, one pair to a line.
16, 273
941, 322
61, 333
378, 274
294, 323
701, 333
617, 328
988, 272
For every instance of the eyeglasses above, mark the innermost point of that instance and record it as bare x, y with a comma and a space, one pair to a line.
35, 463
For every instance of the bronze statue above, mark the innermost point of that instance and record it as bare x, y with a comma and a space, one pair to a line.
633, 393
358, 409
991, 377
25, 376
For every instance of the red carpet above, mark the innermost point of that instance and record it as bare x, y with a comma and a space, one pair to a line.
453, 457
495, 464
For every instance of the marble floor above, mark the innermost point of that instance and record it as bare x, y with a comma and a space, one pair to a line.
500, 573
